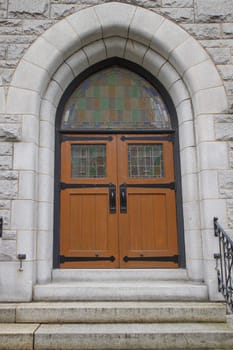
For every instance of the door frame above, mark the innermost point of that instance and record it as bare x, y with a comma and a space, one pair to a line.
173, 132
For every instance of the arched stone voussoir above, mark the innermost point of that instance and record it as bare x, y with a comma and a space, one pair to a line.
115, 18
89, 32
64, 37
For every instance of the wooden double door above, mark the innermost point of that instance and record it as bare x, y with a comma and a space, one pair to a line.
117, 202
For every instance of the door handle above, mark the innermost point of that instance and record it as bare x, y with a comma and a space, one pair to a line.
112, 198
123, 198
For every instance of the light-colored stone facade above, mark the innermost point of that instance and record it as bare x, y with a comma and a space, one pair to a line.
44, 45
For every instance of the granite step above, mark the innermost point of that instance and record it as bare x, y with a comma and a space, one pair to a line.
121, 291
134, 336
113, 312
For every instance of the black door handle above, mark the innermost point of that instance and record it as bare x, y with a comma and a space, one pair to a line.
123, 198
112, 198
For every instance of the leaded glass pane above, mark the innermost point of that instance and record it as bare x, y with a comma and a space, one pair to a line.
88, 161
115, 98
145, 161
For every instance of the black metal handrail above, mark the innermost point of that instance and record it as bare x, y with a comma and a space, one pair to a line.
224, 264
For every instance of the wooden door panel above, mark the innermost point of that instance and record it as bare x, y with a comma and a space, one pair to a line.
150, 224
88, 229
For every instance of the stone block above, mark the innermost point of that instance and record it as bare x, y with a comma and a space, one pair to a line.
87, 19
23, 215
28, 8
231, 153
182, 15
135, 52
10, 132
32, 27
31, 77
184, 111
220, 55
115, 18
115, 46
226, 184
7, 250
5, 162
213, 11
4, 204
226, 71
8, 189
186, 135
229, 87
5, 214
188, 161
25, 156
53, 93
208, 152
9, 235
8, 175
26, 243
16, 51
209, 184
205, 128
63, 37
95, 52
189, 188
211, 208
178, 92
22, 101
144, 24
15, 280
30, 129
230, 213
64, 75
27, 185
177, 3
195, 77
6, 148
154, 64
227, 30
6, 75
59, 11
78, 62
168, 75
2, 100
211, 100
7, 313
203, 31
224, 131
183, 56
45, 55
167, 38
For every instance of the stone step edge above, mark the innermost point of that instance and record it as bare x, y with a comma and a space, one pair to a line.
159, 291
124, 275
134, 336
113, 312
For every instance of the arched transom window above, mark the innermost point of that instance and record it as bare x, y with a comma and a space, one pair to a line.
115, 98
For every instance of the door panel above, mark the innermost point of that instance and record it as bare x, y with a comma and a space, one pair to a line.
88, 220
148, 230
118, 206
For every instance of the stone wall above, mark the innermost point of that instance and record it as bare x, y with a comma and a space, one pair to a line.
22, 21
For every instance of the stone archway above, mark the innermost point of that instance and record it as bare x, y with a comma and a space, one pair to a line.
162, 48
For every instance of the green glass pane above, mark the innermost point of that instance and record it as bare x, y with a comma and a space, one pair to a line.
145, 161
88, 161
115, 98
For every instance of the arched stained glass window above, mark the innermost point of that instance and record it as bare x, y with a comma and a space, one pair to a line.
115, 98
